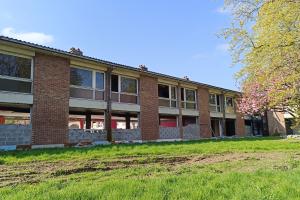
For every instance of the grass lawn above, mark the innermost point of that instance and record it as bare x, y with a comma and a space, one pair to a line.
264, 168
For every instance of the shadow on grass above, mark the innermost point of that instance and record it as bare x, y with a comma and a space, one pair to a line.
57, 151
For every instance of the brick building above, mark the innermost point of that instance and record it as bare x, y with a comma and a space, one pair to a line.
50, 97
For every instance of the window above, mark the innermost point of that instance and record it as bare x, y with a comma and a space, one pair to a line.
81, 77
212, 99
124, 89
229, 102
188, 98
167, 96
15, 73
86, 84
128, 85
215, 103
114, 83
229, 105
99, 81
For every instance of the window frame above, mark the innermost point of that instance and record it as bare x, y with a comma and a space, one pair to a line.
216, 103
126, 93
231, 101
30, 80
93, 88
185, 101
170, 99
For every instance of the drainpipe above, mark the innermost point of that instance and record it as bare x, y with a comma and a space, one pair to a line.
224, 114
180, 111
108, 108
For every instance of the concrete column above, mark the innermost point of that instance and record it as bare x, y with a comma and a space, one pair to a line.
127, 118
88, 120
108, 109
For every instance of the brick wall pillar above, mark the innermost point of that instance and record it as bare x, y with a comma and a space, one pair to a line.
204, 115
50, 112
240, 125
276, 123
149, 118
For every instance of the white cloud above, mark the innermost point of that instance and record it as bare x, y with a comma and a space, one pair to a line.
223, 47
223, 10
34, 37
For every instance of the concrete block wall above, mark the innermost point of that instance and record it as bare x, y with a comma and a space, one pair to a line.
169, 133
191, 132
76, 136
127, 134
15, 135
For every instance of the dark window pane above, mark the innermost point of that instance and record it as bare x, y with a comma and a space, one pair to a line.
81, 77
15, 66
173, 92
99, 81
190, 95
128, 85
173, 104
15, 86
114, 83
125, 98
182, 94
218, 99
81, 93
163, 91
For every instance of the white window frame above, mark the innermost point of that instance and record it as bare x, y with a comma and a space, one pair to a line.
185, 101
126, 93
93, 88
30, 80
216, 103
170, 99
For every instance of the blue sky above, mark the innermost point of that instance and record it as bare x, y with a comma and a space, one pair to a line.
173, 37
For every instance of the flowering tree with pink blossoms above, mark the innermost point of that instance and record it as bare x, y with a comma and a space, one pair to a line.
265, 40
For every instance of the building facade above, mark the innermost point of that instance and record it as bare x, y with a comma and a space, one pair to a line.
52, 98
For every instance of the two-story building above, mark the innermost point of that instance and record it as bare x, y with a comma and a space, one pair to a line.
51, 98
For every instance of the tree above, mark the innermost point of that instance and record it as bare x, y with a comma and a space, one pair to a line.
265, 39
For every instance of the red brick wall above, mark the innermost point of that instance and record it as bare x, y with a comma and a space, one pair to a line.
149, 120
50, 111
240, 125
204, 117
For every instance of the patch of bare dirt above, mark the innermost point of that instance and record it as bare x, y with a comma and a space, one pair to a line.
37, 171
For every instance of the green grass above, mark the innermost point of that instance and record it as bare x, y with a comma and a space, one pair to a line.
257, 168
